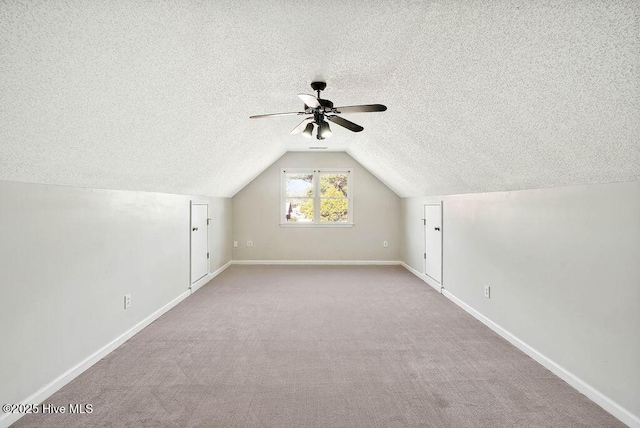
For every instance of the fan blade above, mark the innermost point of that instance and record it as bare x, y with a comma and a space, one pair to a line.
309, 100
260, 116
361, 109
345, 123
298, 129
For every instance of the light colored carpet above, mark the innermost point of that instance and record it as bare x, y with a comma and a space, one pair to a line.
320, 346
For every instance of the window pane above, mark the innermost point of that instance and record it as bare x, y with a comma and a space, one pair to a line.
299, 185
333, 185
299, 209
334, 210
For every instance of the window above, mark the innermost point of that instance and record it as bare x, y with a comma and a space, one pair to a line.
316, 197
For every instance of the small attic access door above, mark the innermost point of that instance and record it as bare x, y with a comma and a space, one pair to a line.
433, 241
199, 241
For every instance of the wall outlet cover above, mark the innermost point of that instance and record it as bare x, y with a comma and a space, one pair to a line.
487, 291
127, 301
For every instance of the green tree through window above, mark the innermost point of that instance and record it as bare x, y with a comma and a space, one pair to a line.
332, 199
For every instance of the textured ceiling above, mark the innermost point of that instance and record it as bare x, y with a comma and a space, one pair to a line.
481, 96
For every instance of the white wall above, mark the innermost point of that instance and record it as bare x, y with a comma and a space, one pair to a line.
67, 258
256, 210
564, 269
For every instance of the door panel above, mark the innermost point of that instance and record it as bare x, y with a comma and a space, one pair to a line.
199, 241
433, 241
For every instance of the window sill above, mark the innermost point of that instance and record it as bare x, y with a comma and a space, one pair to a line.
315, 225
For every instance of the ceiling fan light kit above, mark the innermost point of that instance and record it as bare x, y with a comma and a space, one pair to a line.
321, 110
324, 131
308, 130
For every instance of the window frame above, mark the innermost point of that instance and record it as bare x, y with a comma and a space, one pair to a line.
317, 198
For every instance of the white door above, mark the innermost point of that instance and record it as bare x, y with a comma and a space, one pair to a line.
199, 241
433, 241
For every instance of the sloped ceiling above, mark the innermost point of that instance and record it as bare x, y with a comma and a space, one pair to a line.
481, 96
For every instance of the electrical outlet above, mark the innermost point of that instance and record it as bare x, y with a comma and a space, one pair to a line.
487, 291
127, 301
249, 243
235, 244
385, 244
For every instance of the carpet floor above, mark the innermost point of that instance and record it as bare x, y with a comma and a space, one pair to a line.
320, 346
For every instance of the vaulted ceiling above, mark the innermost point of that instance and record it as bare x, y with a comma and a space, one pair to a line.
481, 96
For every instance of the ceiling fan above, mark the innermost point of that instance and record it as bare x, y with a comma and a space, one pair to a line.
321, 109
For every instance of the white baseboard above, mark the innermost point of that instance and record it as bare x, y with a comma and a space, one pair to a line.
208, 277
593, 394
53, 386
423, 277
318, 262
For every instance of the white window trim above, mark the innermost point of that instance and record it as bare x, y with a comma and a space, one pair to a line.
316, 192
